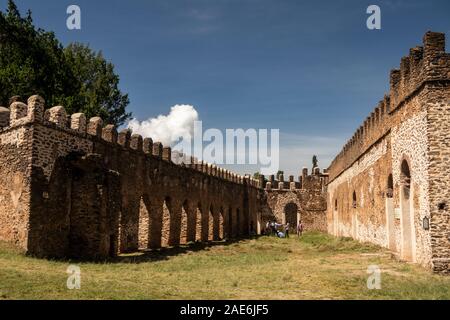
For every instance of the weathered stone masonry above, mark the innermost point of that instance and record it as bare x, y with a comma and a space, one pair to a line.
72, 187
293, 201
76, 188
391, 182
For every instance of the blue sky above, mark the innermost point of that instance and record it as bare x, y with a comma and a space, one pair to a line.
310, 68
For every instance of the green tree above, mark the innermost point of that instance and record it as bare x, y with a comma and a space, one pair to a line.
258, 175
279, 173
315, 162
33, 61
99, 92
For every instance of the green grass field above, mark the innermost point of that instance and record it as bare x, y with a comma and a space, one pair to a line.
316, 267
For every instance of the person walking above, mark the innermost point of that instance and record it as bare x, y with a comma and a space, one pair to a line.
286, 230
274, 228
299, 229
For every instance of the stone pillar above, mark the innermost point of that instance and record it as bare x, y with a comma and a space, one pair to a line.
4, 117
94, 127
167, 153
78, 122
36, 108
109, 133
124, 138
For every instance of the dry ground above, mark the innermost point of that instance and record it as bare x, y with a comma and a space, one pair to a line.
316, 267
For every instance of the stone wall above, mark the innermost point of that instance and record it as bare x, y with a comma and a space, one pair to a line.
81, 189
388, 184
438, 128
15, 185
293, 201
77, 188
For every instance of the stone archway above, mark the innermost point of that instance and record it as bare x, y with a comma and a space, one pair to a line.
184, 225
221, 222
144, 226
390, 216
198, 222
354, 215
166, 221
407, 213
291, 214
211, 214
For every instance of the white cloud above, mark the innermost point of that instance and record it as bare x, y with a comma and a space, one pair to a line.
168, 129
295, 152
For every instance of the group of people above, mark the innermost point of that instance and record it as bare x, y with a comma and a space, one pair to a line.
282, 230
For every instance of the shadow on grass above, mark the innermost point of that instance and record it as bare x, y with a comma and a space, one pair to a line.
152, 255
139, 256
161, 254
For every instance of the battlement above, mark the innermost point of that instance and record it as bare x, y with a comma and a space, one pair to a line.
305, 181
19, 114
424, 64
114, 190
183, 160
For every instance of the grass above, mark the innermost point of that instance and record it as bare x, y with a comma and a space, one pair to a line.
316, 267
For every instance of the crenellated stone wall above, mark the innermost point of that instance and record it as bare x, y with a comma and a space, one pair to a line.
389, 185
75, 187
81, 189
293, 201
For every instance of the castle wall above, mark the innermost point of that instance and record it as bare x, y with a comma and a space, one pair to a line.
293, 201
404, 137
439, 176
94, 192
15, 188
361, 220
72, 187
90, 192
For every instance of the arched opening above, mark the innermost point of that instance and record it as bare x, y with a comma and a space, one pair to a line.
144, 226
390, 218
335, 217
167, 208
407, 213
198, 223
405, 179
155, 223
390, 187
211, 223
291, 215
259, 223
184, 223
354, 216
221, 224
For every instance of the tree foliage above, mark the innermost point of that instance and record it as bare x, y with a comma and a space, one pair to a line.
33, 61
315, 161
